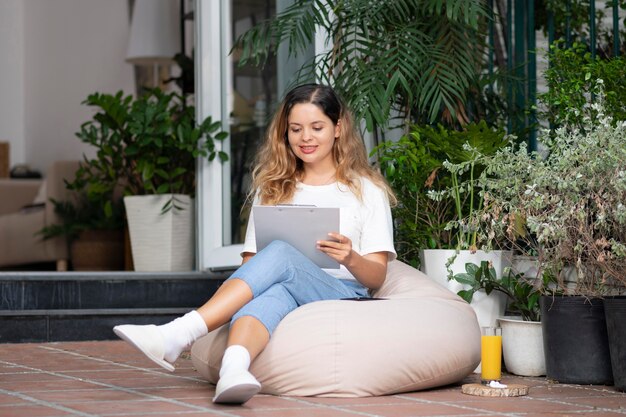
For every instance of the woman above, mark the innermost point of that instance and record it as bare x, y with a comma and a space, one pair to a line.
312, 155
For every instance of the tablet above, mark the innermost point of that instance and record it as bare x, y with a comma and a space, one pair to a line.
300, 226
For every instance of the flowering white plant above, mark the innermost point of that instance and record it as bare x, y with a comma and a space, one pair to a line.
568, 207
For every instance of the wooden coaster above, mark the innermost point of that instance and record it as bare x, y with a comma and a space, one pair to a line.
511, 390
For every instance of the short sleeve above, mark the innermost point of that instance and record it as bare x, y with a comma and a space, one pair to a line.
377, 232
249, 244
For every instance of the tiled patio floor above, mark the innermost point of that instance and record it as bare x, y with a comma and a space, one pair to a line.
112, 379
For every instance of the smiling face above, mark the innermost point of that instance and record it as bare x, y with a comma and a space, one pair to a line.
311, 135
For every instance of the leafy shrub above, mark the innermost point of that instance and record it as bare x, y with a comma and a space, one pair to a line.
413, 166
568, 207
572, 81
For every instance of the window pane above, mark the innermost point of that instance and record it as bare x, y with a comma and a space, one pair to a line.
254, 96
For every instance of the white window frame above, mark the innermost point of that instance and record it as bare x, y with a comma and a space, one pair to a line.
213, 73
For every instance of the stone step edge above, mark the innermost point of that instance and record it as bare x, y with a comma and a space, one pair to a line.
108, 276
97, 312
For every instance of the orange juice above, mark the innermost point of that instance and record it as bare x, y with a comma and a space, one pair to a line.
491, 358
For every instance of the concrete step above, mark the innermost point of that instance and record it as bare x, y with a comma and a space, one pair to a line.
46, 307
20, 326
95, 290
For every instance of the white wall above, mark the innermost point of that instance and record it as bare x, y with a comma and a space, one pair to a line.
12, 78
70, 49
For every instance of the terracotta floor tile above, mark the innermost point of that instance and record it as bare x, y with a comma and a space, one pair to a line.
408, 410
181, 414
343, 402
8, 368
29, 410
265, 402
8, 400
28, 376
297, 412
575, 414
573, 391
611, 402
85, 395
440, 396
259, 402
200, 391
129, 407
110, 374
521, 405
112, 379
151, 382
29, 386
78, 365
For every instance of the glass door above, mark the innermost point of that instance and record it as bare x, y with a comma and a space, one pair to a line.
243, 98
254, 92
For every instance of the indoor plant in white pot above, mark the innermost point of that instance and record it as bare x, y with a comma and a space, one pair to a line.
471, 248
416, 166
522, 337
156, 143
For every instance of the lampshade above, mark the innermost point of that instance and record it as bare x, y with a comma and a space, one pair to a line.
154, 32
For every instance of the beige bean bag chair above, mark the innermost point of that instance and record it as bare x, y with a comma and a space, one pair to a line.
421, 336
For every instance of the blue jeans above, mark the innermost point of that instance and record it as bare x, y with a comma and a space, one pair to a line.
281, 279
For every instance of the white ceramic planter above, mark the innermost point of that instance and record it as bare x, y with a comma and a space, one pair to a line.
161, 241
488, 308
522, 347
525, 265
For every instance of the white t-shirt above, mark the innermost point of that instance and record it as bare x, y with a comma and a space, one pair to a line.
368, 223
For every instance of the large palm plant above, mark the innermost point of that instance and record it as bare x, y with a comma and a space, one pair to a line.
413, 58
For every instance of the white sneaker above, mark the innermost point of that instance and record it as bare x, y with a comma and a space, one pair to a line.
236, 388
147, 339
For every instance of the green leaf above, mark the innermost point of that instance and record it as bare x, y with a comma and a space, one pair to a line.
163, 189
147, 172
468, 279
466, 295
162, 173
471, 268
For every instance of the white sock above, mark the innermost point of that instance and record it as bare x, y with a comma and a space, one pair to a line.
236, 358
180, 333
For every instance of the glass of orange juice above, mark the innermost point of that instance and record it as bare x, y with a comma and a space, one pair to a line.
491, 354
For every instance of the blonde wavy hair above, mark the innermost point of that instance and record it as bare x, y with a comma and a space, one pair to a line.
277, 169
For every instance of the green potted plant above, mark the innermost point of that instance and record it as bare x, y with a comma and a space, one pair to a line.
568, 207
415, 167
575, 79
433, 172
522, 336
151, 144
94, 230
91, 218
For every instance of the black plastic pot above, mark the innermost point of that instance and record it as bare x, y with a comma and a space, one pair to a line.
575, 340
615, 312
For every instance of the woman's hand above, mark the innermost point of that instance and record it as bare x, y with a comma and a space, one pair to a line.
370, 270
339, 248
